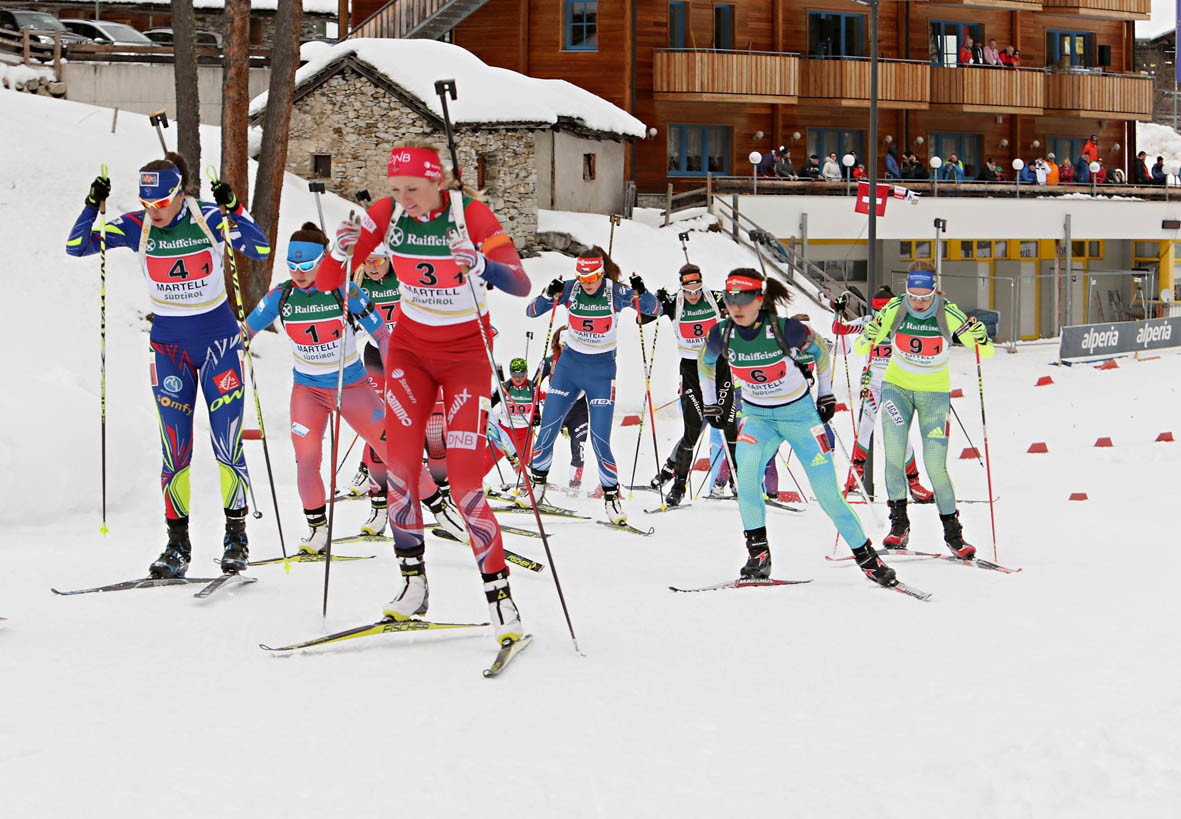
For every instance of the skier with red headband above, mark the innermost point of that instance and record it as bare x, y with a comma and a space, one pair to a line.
588, 363
761, 349
871, 396
444, 244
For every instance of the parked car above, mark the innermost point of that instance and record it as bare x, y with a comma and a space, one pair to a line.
107, 32
41, 25
163, 36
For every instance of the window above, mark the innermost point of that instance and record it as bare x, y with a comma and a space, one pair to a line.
845, 270
906, 250
1148, 250
1028, 250
984, 250
1072, 47
1001, 250
694, 150
836, 35
922, 250
676, 25
966, 147
824, 141
588, 167
481, 170
966, 249
1065, 149
582, 25
724, 26
947, 37
321, 166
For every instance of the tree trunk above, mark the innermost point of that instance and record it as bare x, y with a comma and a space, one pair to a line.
188, 108
235, 103
268, 184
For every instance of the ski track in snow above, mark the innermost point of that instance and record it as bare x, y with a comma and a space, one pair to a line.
1048, 693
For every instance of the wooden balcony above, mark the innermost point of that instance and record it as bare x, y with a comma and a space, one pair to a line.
1101, 9
988, 90
845, 82
726, 76
1099, 96
1009, 5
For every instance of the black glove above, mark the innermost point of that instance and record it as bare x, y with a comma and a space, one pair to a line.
536, 422
555, 288
826, 407
223, 194
841, 302
713, 416
663, 296
100, 189
637, 284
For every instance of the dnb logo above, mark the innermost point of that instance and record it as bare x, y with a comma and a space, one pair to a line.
172, 384
225, 382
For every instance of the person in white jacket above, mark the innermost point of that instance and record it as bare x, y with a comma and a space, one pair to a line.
832, 169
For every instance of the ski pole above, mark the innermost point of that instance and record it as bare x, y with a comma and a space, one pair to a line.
787, 465
615, 220
644, 406
648, 388
536, 394
102, 330
317, 188
443, 88
713, 462
987, 460
262, 433
968, 437
869, 506
684, 237
345, 458
528, 341
159, 119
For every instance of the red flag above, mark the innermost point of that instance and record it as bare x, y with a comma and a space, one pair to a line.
863, 198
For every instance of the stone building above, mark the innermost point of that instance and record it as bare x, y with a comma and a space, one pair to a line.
1157, 55
526, 143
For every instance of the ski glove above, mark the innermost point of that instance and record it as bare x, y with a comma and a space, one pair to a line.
841, 302
976, 331
713, 416
465, 254
637, 284
555, 288
100, 189
872, 329
826, 407
223, 194
346, 239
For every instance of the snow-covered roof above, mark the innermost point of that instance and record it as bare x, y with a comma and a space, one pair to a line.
309, 6
1162, 19
486, 94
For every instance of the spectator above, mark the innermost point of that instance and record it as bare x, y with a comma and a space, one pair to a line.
1007, 57
1101, 174
965, 56
991, 172
1016, 61
1140, 170
1091, 149
912, 168
766, 166
811, 170
859, 173
977, 53
1052, 173
783, 167
1026, 175
992, 57
1040, 171
1066, 173
892, 169
953, 169
1159, 176
1082, 171
1117, 176
832, 169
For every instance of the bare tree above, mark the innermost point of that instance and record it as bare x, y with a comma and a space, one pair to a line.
268, 184
235, 104
188, 107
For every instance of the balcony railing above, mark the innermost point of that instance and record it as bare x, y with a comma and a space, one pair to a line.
989, 90
1120, 96
901, 83
1012, 5
1101, 9
726, 76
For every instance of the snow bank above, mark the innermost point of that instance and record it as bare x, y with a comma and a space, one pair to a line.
14, 77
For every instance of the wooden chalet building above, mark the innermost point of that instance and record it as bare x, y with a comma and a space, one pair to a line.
715, 81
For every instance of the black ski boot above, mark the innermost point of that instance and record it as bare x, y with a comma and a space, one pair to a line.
676, 494
237, 551
174, 560
665, 475
758, 564
899, 534
872, 565
953, 536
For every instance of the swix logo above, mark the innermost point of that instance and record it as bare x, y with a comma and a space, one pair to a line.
1093, 341
224, 400
457, 404
226, 381
399, 411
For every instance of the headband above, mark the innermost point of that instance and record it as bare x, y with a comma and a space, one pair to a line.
920, 278
587, 268
739, 282
304, 251
159, 184
878, 304
420, 162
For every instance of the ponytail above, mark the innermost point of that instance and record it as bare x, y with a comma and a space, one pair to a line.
775, 294
310, 232
556, 344
174, 161
610, 269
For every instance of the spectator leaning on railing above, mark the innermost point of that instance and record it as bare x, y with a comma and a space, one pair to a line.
1101, 174
1026, 174
953, 169
766, 166
965, 55
811, 170
1066, 172
991, 172
1052, 173
832, 169
912, 168
1158, 171
1140, 170
783, 167
992, 57
1082, 171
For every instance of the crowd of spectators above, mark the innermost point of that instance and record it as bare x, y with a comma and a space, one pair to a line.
989, 56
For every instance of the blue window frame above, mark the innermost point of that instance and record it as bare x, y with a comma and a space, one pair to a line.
694, 150
676, 25
1078, 47
724, 26
831, 34
825, 141
1065, 149
966, 147
582, 25
946, 38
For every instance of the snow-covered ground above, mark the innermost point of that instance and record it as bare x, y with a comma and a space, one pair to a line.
1048, 693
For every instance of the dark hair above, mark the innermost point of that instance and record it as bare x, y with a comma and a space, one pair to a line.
884, 292
556, 344
921, 264
610, 269
689, 267
172, 161
774, 293
310, 232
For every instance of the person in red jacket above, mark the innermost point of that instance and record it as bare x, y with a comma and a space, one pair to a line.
447, 248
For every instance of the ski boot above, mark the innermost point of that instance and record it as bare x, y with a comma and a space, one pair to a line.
758, 563
237, 551
918, 492
378, 515
899, 534
446, 515
501, 608
538, 478
575, 477
872, 565
615, 513
676, 493
953, 536
317, 540
415, 594
857, 472
174, 560
360, 482
665, 475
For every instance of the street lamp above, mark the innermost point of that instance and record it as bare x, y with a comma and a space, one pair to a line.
847, 160
1018, 164
755, 158
1094, 169
936, 163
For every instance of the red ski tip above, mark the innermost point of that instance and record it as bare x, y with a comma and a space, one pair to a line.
957, 393
630, 421
1077, 496
702, 465
1109, 364
790, 497
969, 453
1043, 381
1165, 437
841, 408
1036, 447
252, 434
1104, 442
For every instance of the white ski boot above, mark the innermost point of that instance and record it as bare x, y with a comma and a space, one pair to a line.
378, 517
415, 594
615, 513
360, 482
317, 540
447, 516
501, 608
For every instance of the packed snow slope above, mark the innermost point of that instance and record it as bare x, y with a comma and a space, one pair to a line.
1042, 694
